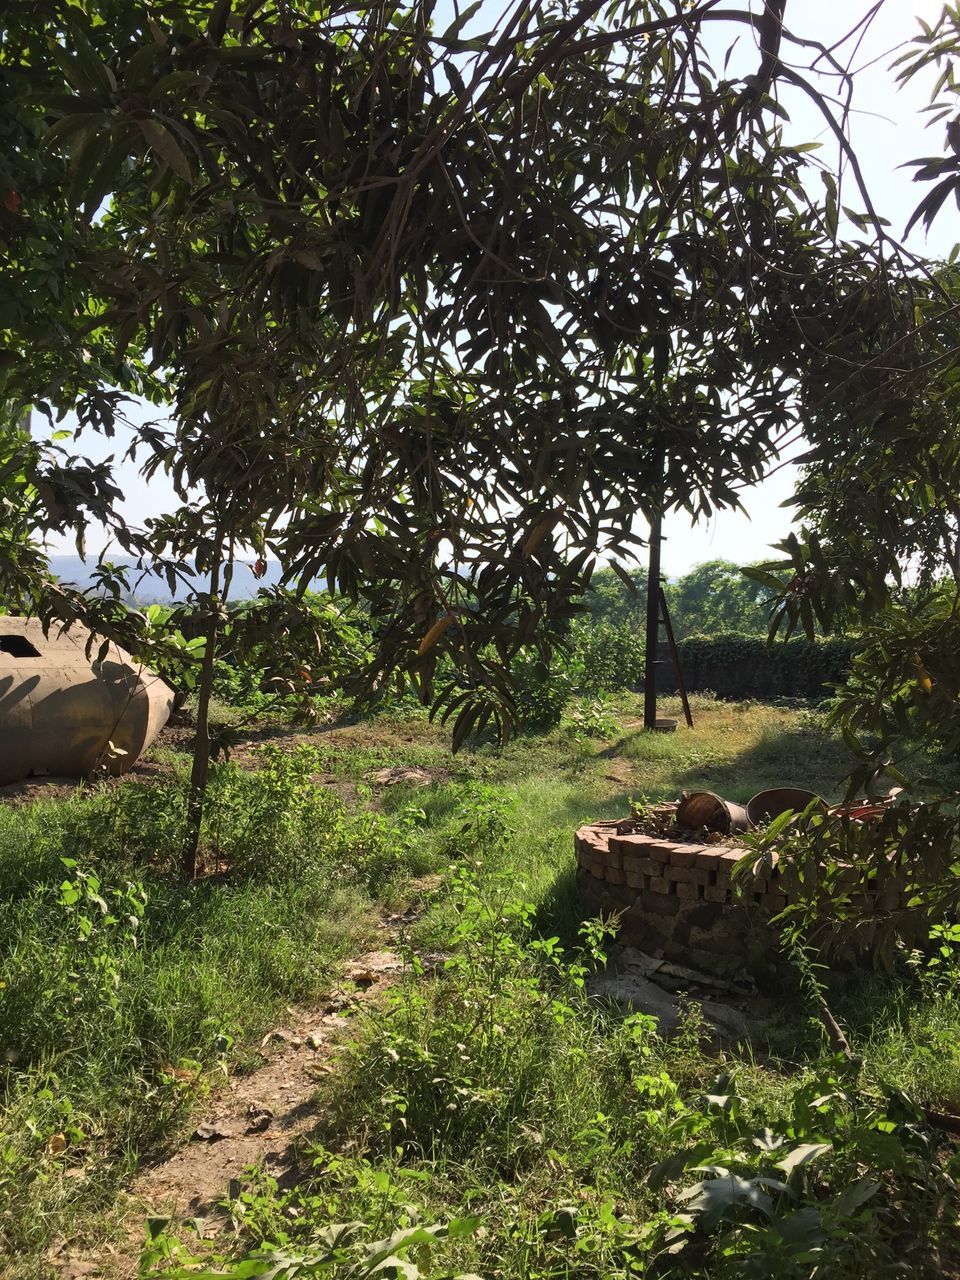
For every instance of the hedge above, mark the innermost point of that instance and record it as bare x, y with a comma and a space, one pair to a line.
739, 666
606, 657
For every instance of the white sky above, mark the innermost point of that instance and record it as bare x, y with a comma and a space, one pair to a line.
887, 129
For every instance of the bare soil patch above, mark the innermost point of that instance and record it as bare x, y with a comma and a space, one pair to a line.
49, 787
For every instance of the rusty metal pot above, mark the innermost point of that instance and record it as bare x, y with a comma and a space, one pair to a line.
700, 809
767, 805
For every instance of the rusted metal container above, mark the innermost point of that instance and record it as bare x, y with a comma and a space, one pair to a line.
699, 809
62, 708
767, 805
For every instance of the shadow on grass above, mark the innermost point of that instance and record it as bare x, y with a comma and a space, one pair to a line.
560, 912
789, 756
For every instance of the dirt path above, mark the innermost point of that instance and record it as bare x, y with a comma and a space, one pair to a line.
260, 1118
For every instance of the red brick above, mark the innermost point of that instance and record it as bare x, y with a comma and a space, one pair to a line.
659, 884
636, 879
642, 865
614, 875
633, 844
721, 943
728, 859
716, 893
689, 875
709, 858
685, 890
613, 858
683, 855
773, 901
659, 904
659, 850
591, 850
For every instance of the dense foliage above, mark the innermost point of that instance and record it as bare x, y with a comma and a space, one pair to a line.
435, 312
712, 597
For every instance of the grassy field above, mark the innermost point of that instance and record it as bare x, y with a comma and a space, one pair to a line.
496, 1098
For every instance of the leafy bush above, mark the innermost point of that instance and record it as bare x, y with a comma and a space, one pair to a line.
459, 1066
814, 1195
603, 658
608, 658
593, 717
543, 690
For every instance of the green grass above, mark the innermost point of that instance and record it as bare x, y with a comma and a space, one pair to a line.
496, 1092
554, 1136
123, 990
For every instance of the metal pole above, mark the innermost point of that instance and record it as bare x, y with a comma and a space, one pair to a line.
653, 625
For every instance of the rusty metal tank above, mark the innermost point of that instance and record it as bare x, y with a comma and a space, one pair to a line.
61, 707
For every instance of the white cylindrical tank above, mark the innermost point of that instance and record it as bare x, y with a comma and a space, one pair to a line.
61, 707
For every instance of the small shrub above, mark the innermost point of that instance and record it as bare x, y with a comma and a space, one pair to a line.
543, 691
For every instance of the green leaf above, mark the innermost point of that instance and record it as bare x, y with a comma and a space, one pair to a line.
803, 1155
854, 1196
714, 1198
218, 20
166, 146
457, 26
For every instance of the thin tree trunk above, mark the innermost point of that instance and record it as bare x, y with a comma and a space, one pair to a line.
652, 643
201, 745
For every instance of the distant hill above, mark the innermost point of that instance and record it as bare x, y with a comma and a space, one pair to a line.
150, 589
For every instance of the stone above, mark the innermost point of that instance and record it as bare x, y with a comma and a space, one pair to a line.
628, 986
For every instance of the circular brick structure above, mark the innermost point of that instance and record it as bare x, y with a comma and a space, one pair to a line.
676, 899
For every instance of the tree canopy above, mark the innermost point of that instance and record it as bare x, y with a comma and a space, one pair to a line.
437, 313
